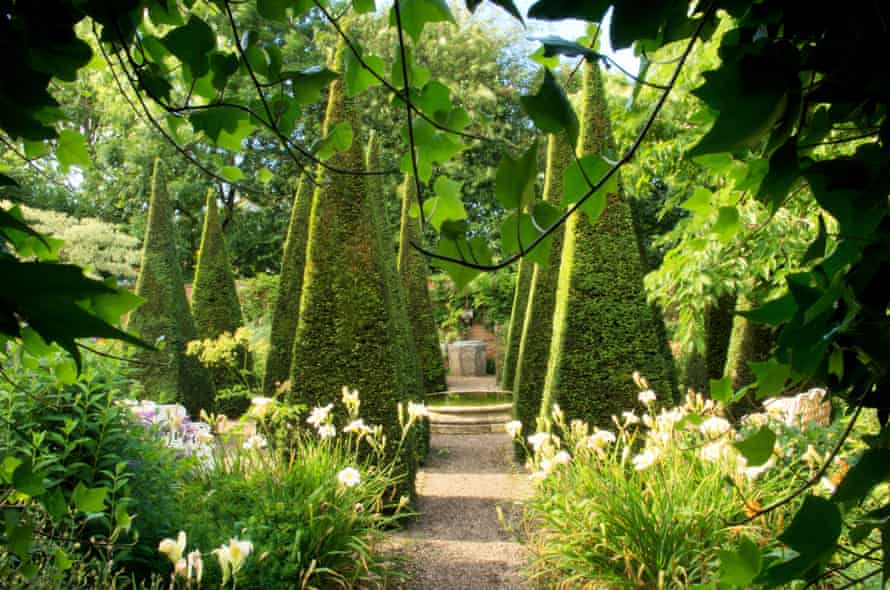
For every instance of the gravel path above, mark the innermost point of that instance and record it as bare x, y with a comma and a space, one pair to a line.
458, 542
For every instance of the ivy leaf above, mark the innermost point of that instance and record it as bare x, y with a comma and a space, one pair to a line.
784, 170
548, 62
515, 179
89, 499
771, 377
418, 75
507, 5
721, 390
227, 127
590, 167
456, 245
872, 469
815, 529
554, 46
357, 78
308, 84
727, 224
434, 98
415, 14
191, 43
72, 150
550, 109
758, 447
774, 312
445, 205
699, 203
231, 173
338, 140
592, 10
740, 567
530, 227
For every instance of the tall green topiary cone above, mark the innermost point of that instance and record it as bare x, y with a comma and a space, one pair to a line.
215, 303
413, 271
290, 285
345, 335
517, 317
534, 345
399, 308
603, 328
748, 342
165, 314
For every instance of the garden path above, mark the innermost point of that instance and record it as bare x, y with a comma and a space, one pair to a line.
458, 542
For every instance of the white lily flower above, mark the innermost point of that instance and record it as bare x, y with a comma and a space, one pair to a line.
645, 460
173, 549
513, 428
319, 415
349, 477
646, 397
562, 458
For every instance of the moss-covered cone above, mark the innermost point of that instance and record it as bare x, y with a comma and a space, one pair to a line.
290, 284
215, 303
413, 271
168, 374
398, 305
749, 342
603, 328
345, 334
517, 318
534, 346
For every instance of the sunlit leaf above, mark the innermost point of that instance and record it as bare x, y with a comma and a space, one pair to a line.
550, 108
415, 14
515, 179
757, 448
580, 175
72, 150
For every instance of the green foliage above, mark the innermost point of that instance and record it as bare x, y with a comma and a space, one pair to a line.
345, 335
603, 328
165, 319
537, 328
413, 271
287, 302
85, 474
215, 305
749, 342
517, 320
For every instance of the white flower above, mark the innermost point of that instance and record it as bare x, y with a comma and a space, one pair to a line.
646, 397
754, 472
349, 397
645, 460
630, 418
513, 428
356, 426
173, 549
668, 419
319, 415
562, 458
257, 441
260, 407
546, 465
417, 410
232, 557
639, 380
828, 485
181, 569
600, 439
349, 477
225, 562
714, 451
538, 439
195, 566
327, 431
714, 427
538, 476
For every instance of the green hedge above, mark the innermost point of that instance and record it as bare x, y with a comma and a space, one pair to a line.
517, 318
215, 303
345, 334
413, 269
168, 374
290, 285
534, 346
718, 330
604, 329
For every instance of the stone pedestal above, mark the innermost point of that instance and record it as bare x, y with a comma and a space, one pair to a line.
466, 358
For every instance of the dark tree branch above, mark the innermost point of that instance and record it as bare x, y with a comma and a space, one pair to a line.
628, 156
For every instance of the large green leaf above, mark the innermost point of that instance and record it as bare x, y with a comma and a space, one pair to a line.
558, 46
550, 109
418, 75
518, 231
453, 243
758, 447
415, 14
225, 126
739, 568
356, 77
515, 179
728, 223
338, 140
191, 43
72, 150
590, 10
308, 84
89, 499
444, 205
771, 377
815, 529
579, 176
872, 469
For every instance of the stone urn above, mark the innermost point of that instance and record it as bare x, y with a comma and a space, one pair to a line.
466, 358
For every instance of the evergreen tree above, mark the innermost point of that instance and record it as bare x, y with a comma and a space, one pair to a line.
290, 285
215, 303
517, 317
534, 347
345, 334
168, 374
603, 327
413, 270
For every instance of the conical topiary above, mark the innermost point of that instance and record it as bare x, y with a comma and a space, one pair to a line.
290, 285
167, 374
517, 318
534, 346
345, 334
718, 329
413, 271
603, 328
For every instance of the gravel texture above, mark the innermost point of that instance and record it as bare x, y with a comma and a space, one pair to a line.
458, 542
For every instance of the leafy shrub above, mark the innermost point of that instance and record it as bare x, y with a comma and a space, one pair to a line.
86, 488
659, 502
